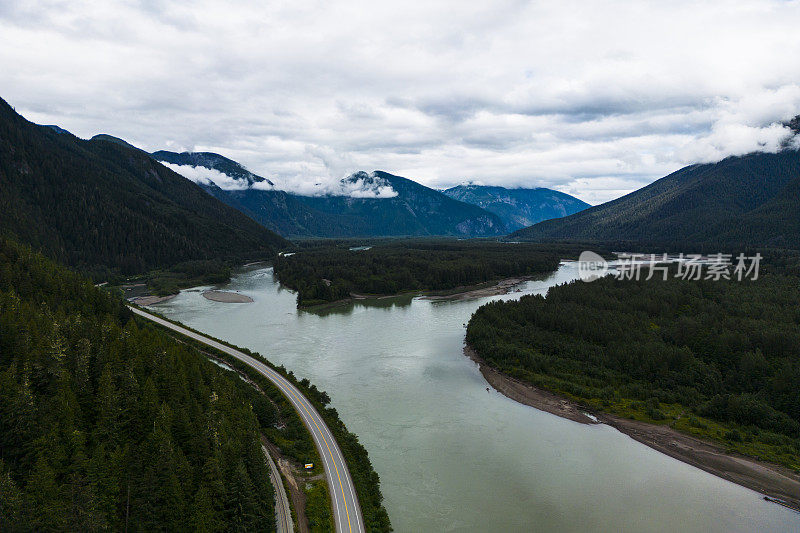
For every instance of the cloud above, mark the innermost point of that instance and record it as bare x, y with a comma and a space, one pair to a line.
358, 185
204, 175
753, 123
265, 185
591, 98
364, 185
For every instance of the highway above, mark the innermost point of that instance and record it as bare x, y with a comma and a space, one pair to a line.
344, 502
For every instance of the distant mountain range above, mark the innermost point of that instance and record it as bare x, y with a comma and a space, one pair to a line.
411, 209
104, 205
752, 200
518, 208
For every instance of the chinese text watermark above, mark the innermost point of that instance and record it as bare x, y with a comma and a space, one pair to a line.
716, 267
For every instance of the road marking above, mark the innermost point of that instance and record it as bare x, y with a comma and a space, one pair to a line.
286, 390
341, 487
311, 415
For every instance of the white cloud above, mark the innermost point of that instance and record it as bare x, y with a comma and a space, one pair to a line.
735, 139
753, 123
353, 186
365, 186
263, 185
357, 186
587, 97
206, 175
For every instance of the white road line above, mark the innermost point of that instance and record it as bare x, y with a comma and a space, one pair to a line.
344, 500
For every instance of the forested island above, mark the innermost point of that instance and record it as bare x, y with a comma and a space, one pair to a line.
715, 359
328, 273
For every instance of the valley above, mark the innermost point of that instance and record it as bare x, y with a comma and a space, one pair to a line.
375, 286
449, 453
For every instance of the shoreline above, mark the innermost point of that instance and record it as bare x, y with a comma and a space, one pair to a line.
771, 480
480, 290
151, 299
503, 286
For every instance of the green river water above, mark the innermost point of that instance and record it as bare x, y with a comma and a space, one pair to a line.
452, 456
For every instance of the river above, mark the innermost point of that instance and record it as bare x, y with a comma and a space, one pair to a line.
451, 455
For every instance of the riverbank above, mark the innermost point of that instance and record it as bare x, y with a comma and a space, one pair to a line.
481, 290
147, 288
213, 295
151, 299
767, 478
526, 394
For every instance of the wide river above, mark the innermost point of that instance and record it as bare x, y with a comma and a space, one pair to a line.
453, 456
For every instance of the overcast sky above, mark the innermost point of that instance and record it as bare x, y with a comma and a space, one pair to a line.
592, 98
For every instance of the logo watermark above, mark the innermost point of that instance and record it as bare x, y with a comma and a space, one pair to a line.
591, 266
715, 267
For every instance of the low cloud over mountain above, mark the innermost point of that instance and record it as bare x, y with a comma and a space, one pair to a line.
591, 99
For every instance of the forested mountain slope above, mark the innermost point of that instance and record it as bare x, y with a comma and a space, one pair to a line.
106, 424
102, 205
214, 161
416, 210
518, 208
281, 212
775, 223
747, 200
111, 138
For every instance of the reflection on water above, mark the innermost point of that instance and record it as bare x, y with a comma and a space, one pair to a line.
452, 456
348, 307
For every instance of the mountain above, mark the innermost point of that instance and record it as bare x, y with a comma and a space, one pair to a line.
410, 209
101, 205
111, 138
57, 129
416, 210
214, 161
794, 124
518, 208
751, 200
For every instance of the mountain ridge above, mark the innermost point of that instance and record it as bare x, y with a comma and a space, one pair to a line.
518, 207
720, 203
98, 204
213, 161
416, 210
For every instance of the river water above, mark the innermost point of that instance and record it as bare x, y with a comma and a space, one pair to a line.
451, 455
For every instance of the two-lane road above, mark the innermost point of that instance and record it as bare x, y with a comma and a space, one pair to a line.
346, 510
